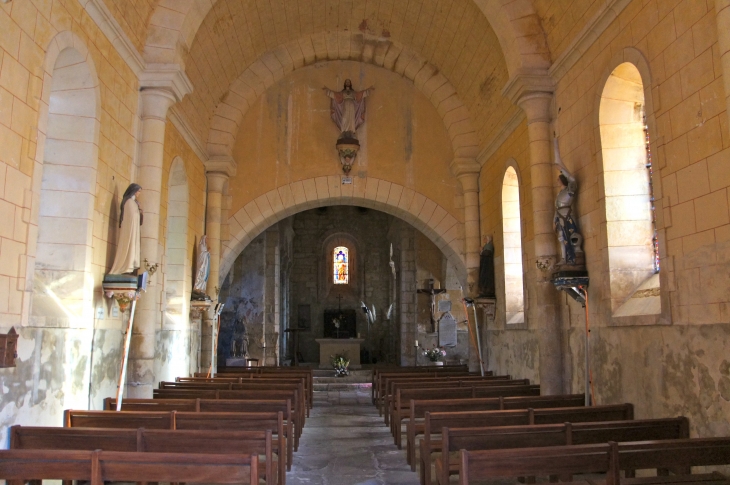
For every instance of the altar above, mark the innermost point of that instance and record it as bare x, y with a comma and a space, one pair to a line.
328, 347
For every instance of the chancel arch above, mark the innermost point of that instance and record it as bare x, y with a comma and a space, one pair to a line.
64, 198
625, 150
424, 214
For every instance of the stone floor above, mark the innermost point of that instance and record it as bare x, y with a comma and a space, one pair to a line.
344, 442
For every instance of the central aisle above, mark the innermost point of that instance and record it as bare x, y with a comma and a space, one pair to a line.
345, 442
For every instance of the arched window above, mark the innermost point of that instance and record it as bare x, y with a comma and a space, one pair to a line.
341, 265
514, 297
630, 223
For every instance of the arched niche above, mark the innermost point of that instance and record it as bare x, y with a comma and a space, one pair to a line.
514, 293
173, 346
63, 282
630, 225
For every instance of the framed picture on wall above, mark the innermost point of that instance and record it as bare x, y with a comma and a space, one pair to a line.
304, 317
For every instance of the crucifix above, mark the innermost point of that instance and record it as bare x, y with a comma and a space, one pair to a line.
433, 292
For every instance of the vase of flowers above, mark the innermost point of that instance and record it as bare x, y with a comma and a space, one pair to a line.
434, 355
340, 362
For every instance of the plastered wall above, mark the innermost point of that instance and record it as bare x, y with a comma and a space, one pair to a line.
667, 364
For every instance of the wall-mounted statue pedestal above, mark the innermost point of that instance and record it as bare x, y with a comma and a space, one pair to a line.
573, 282
329, 347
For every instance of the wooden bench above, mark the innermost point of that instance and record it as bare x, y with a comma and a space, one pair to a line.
99, 467
521, 462
455, 439
268, 372
677, 455
293, 395
389, 399
273, 421
156, 441
249, 384
419, 408
435, 422
404, 396
379, 379
392, 386
210, 406
380, 385
306, 379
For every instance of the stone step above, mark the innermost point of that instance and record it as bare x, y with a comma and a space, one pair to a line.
340, 386
365, 373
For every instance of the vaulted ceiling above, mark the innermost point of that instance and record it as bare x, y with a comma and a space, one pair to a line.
234, 49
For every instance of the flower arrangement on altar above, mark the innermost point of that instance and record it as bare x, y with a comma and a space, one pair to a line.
434, 354
340, 362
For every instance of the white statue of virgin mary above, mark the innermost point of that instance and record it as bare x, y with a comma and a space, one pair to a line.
202, 269
127, 259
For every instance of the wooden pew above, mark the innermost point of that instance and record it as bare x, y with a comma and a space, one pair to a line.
520, 462
379, 385
678, 455
419, 408
435, 422
98, 467
210, 406
391, 398
379, 371
267, 372
306, 379
392, 385
155, 441
293, 395
250, 384
273, 421
455, 439
404, 396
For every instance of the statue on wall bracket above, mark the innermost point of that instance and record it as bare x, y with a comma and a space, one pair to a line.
347, 109
566, 224
570, 275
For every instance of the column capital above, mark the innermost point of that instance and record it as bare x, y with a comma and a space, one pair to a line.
168, 77
225, 165
465, 166
532, 90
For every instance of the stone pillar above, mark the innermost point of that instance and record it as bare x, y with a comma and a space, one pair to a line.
534, 93
160, 89
272, 296
722, 9
218, 171
408, 286
467, 171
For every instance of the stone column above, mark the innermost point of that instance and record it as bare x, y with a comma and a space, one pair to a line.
534, 93
722, 9
218, 171
160, 89
467, 171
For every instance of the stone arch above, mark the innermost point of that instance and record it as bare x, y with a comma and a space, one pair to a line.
64, 186
277, 63
173, 25
624, 85
424, 214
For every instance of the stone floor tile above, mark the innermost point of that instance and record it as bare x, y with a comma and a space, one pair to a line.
344, 442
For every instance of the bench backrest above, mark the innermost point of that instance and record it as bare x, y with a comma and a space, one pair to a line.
98, 467
124, 419
676, 455
419, 407
551, 460
404, 396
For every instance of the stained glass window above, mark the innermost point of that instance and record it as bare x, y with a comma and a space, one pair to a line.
341, 265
